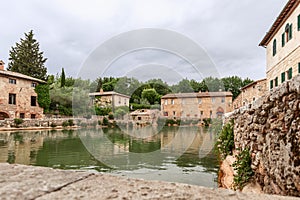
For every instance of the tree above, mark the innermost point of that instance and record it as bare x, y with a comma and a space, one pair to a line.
26, 58
150, 95
62, 78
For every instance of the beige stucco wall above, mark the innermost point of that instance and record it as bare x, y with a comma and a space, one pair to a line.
192, 107
287, 56
23, 91
120, 100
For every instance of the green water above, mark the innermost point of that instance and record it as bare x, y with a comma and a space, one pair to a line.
176, 154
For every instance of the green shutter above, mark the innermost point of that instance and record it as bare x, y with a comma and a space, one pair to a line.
299, 68
290, 73
276, 81
282, 77
290, 31
298, 22
271, 84
282, 39
274, 47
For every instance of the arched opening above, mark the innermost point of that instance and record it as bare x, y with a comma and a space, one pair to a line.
3, 115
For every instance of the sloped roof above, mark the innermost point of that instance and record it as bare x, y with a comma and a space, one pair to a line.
109, 93
19, 75
254, 82
196, 95
284, 14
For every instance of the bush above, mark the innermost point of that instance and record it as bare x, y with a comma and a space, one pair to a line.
225, 142
53, 125
243, 169
105, 121
65, 124
102, 111
71, 122
18, 121
207, 121
111, 116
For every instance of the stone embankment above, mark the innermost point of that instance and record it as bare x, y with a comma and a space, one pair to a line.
29, 182
270, 128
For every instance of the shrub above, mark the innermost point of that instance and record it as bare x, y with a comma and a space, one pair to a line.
53, 125
110, 116
18, 121
243, 169
71, 122
105, 121
207, 121
225, 142
65, 124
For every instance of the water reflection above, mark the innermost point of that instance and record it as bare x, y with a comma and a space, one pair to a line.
173, 154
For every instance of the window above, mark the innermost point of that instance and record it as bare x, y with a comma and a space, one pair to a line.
274, 47
283, 39
271, 84
172, 101
12, 81
199, 101
298, 68
282, 77
33, 84
166, 102
298, 22
213, 99
290, 73
276, 81
201, 112
223, 100
253, 99
12, 99
174, 113
22, 115
33, 101
32, 116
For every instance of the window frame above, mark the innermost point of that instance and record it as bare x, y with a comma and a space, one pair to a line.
33, 101
12, 99
12, 81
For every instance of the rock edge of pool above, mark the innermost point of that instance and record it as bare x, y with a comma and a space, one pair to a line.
31, 182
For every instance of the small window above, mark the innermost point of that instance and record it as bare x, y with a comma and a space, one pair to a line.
12, 81
172, 101
166, 113
22, 115
298, 68
166, 102
213, 99
12, 99
201, 112
282, 77
199, 101
33, 101
174, 113
276, 81
32, 116
33, 84
223, 100
290, 73
271, 84
274, 47
253, 99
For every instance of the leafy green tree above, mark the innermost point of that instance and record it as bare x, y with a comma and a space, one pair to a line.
62, 78
150, 95
26, 58
234, 84
183, 86
43, 97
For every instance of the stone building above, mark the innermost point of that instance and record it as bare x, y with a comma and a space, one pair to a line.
109, 99
282, 45
196, 105
17, 96
250, 93
145, 116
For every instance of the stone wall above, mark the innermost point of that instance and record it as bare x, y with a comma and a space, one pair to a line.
271, 129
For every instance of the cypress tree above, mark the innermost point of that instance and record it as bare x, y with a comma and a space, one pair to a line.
26, 58
63, 78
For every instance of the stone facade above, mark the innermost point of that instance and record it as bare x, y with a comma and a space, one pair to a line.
196, 105
271, 129
145, 116
111, 99
282, 45
250, 93
17, 96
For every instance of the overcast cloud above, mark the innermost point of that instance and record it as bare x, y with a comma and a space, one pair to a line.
68, 31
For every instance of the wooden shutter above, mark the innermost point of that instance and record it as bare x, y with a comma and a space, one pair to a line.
282, 77
298, 22
271, 84
290, 73
282, 39
290, 31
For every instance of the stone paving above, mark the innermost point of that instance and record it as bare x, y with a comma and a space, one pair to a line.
30, 182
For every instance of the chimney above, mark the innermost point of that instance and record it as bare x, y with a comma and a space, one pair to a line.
101, 91
2, 65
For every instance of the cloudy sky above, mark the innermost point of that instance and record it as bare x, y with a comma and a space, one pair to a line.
69, 31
